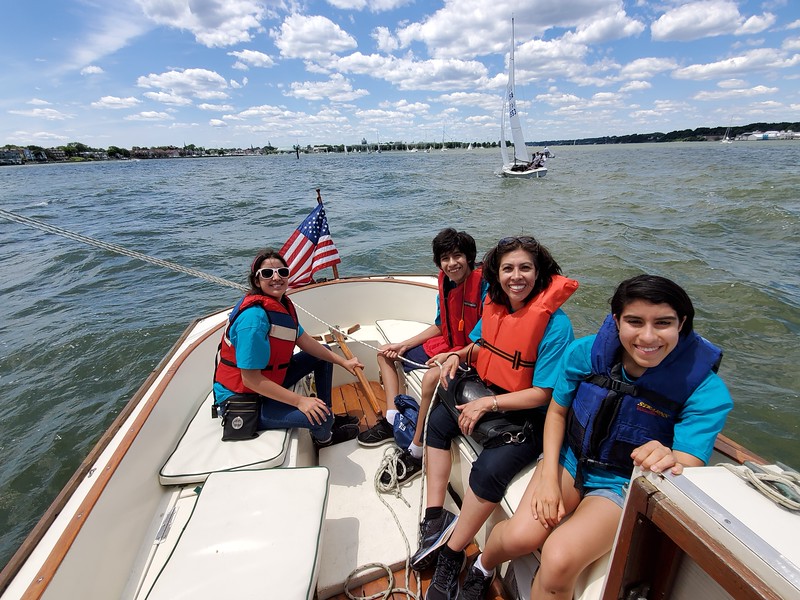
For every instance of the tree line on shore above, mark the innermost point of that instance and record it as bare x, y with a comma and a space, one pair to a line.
77, 151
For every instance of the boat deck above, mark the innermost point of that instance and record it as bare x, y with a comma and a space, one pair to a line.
352, 399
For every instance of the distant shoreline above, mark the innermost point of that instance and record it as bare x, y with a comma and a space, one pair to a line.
76, 152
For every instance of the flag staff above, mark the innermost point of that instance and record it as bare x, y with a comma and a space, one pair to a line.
335, 269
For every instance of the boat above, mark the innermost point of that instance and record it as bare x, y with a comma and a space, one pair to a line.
726, 139
161, 508
521, 166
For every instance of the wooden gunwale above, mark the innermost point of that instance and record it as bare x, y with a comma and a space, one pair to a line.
37, 587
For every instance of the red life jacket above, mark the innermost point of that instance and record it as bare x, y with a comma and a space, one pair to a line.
460, 309
282, 335
509, 342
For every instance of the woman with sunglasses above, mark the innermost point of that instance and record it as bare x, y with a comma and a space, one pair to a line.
642, 391
516, 349
257, 366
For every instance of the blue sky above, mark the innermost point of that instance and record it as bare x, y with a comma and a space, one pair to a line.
236, 73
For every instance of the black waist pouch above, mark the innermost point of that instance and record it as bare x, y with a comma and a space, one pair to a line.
240, 417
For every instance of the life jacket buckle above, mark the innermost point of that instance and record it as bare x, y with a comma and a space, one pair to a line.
515, 438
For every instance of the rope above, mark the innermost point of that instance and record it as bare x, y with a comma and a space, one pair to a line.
118, 249
782, 488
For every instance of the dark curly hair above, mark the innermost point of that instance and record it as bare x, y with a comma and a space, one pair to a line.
449, 240
545, 265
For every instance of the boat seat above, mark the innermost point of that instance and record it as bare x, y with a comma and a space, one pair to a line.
399, 330
359, 529
251, 534
201, 451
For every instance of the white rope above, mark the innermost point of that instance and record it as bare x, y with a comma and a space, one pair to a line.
782, 488
117, 249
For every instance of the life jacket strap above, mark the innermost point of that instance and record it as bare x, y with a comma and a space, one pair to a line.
515, 359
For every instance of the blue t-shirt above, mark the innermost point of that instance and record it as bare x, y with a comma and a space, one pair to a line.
484, 290
557, 336
701, 419
249, 336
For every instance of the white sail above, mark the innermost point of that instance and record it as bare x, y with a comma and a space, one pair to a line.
517, 135
503, 148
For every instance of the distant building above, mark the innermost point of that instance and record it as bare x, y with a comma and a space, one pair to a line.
11, 156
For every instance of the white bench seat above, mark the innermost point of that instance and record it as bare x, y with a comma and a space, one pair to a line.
201, 450
251, 534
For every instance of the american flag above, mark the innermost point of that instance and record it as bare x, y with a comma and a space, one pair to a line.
310, 248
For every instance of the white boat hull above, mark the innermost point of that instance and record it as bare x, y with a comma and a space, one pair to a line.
528, 174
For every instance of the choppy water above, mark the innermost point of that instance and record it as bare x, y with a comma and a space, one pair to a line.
82, 328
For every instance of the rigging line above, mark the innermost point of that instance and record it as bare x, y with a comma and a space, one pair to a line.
117, 249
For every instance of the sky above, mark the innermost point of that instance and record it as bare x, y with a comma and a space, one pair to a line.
241, 73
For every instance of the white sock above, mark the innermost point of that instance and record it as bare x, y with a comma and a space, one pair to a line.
415, 451
479, 564
391, 414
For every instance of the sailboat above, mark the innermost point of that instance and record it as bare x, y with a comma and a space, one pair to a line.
521, 165
727, 139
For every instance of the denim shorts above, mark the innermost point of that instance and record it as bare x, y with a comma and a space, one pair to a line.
614, 495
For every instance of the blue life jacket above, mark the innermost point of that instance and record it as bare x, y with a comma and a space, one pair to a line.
610, 417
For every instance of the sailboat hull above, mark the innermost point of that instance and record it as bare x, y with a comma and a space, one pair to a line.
507, 171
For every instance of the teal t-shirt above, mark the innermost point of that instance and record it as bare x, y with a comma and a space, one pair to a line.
249, 335
701, 419
557, 336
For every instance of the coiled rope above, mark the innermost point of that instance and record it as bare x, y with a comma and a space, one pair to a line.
782, 488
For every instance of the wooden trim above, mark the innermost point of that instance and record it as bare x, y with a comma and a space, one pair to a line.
655, 534
736, 451
60, 549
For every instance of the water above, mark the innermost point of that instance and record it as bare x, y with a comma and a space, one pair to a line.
82, 328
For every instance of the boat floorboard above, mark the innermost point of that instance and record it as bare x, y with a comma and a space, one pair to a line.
351, 399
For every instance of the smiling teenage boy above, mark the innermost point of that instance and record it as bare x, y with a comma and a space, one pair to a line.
459, 305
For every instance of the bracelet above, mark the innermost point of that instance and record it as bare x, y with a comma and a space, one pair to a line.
454, 354
494, 404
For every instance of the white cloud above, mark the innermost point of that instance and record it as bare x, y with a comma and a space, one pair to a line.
372, 5
217, 107
108, 28
50, 114
217, 123
645, 68
756, 24
636, 86
24, 137
166, 98
115, 102
200, 83
311, 38
92, 70
386, 42
336, 89
214, 23
753, 61
758, 90
38, 102
251, 58
696, 20
150, 115
731, 83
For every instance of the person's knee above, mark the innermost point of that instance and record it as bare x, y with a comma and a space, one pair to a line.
518, 538
560, 566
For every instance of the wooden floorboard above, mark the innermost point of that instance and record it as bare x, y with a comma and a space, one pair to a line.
352, 400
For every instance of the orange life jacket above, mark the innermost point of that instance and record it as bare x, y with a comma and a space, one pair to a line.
282, 335
460, 309
510, 341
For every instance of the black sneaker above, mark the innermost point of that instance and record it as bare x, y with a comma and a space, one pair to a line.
476, 584
407, 468
433, 534
378, 434
444, 583
339, 420
339, 434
